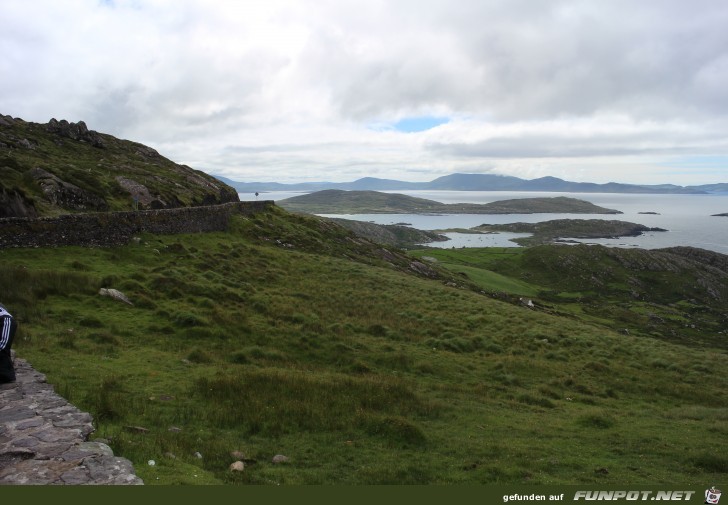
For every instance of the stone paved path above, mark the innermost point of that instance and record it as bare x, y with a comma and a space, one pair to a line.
44, 439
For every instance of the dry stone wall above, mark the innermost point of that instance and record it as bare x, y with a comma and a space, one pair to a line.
102, 229
45, 440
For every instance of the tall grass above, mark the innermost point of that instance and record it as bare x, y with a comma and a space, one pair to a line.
272, 402
25, 290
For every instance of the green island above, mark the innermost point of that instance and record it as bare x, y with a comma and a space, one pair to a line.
544, 232
559, 229
361, 363
335, 201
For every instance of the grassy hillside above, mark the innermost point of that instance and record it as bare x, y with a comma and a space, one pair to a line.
289, 335
676, 294
397, 235
334, 201
61, 167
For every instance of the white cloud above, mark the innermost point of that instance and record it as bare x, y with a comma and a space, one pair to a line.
287, 90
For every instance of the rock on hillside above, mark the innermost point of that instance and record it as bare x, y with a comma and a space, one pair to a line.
63, 167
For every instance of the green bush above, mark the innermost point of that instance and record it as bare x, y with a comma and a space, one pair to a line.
596, 420
108, 401
378, 330
187, 319
537, 401
199, 356
91, 322
711, 462
104, 337
396, 430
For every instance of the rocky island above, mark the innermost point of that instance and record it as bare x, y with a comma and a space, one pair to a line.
550, 231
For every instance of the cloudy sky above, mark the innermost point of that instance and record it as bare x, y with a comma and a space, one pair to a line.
631, 91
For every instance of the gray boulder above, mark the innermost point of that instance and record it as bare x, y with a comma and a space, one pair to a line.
76, 131
115, 294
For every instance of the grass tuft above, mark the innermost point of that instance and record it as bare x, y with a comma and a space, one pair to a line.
596, 420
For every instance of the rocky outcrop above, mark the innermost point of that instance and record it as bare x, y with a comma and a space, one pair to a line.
75, 131
14, 204
115, 294
58, 168
423, 269
44, 439
140, 193
64, 194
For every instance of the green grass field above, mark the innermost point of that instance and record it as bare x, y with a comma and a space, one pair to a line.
288, 335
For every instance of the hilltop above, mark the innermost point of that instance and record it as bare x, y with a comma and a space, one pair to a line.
63, 167
334, 201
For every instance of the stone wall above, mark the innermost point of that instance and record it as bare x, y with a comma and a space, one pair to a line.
45, 440
102, 229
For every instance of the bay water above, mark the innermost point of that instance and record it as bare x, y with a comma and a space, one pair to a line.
689, 219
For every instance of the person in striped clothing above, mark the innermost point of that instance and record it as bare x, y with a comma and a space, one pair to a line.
8, 325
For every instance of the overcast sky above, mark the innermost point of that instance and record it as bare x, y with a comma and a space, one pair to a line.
632, 91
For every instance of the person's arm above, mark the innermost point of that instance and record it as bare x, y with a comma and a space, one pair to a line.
5, 325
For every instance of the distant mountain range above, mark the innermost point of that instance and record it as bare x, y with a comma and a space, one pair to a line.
477, 182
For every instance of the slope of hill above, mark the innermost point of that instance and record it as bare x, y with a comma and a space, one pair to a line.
677, 294
401, 236
288, 335
62, 167
334, 201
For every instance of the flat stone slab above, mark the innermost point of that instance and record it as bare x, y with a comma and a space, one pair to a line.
44, 439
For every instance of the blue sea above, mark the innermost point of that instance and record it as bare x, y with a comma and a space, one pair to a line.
688, 218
